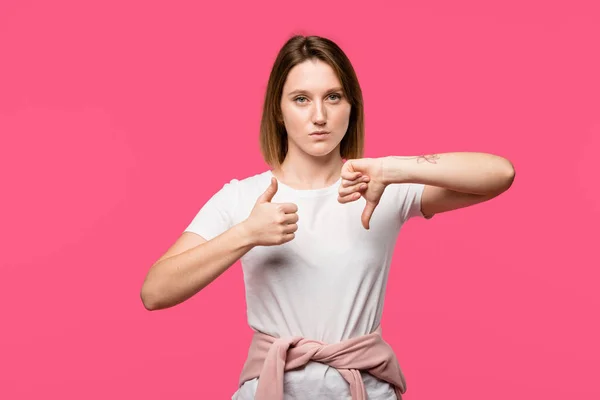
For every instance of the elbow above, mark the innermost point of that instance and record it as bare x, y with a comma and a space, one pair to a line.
508, 177
149, 299
503, 180
147, 302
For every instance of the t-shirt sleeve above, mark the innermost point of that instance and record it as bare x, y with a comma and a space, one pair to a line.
216, 215
409, 198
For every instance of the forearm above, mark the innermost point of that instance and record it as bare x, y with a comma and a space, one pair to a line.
176, 279
466, 172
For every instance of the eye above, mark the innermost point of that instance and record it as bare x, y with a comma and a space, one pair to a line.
335, 95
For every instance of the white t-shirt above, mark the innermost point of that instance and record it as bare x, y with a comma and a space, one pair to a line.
327, 284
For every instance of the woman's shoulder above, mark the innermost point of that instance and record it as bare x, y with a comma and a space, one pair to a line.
244, 183
242, 192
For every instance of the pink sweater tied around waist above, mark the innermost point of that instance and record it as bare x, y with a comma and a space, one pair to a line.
269, 357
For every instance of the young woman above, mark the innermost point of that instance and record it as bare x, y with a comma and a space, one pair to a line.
316, 233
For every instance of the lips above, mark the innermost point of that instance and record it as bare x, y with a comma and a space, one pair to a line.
319, 133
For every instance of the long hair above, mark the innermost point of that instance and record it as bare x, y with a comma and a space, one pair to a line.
273, 136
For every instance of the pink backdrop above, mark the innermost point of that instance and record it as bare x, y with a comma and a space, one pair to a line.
118, 120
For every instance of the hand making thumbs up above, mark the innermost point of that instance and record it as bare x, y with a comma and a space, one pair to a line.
269, 223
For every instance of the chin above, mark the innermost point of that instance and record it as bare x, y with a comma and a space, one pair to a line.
316, 149
320, 153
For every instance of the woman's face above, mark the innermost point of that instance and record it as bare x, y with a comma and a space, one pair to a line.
313, 100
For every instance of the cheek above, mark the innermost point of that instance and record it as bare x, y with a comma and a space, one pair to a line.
343, 116
293, 116
295, 123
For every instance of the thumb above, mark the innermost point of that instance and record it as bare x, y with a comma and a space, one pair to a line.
267, 196
367, 213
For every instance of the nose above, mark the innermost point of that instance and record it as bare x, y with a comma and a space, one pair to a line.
319, 113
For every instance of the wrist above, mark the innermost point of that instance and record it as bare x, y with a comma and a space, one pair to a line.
394, 169
245, 235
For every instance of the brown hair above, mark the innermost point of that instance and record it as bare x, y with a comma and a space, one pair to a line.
273, 136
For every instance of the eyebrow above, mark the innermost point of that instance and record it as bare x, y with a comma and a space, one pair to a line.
299, 91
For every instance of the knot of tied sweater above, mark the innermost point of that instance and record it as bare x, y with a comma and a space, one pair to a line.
269, 357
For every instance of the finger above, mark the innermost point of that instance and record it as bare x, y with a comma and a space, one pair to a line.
350, 198
358, 164
351, 175
366, 215
345, 191
364, 178
288, 237
288, 208
291, 218
348, 167
268, 194
290, 228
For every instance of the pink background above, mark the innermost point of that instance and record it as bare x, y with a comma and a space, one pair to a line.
118, 120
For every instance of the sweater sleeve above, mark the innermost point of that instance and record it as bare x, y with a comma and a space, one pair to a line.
216, 215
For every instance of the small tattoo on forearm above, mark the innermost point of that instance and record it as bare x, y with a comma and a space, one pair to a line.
430, 158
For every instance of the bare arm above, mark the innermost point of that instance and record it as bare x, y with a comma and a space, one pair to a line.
192, 262
466, 172
452, 180
190, 265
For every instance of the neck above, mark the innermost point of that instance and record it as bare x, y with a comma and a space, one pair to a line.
303, 171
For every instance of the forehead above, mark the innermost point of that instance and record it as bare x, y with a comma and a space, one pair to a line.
312, 76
